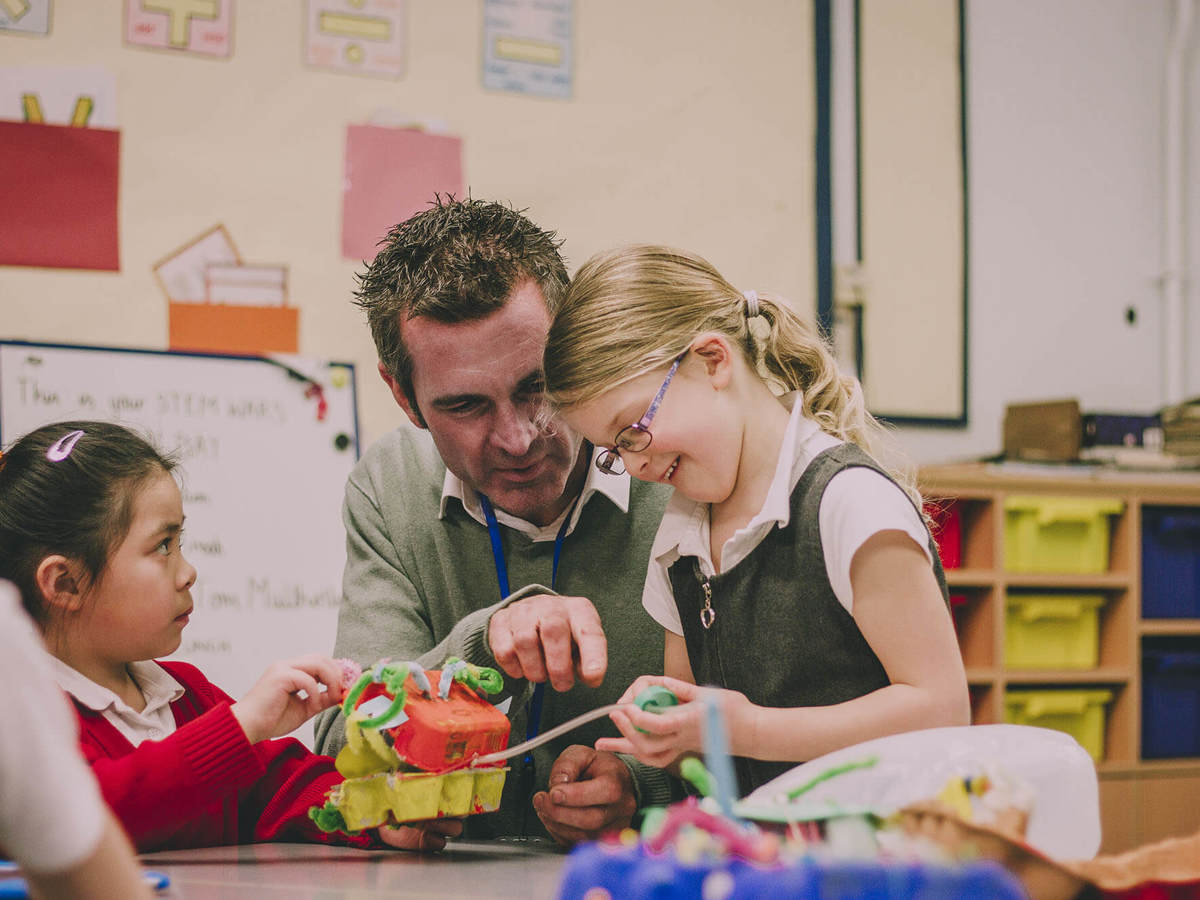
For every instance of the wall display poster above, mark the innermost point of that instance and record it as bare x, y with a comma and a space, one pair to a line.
392, 173
193, 26
59, 95
528, 46
27, 16
181, 274
217, 303
59, 203
362, 37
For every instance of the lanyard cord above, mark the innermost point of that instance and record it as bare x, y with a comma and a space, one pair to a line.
533, 709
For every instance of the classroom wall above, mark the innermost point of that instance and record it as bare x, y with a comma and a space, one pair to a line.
691, 124
1065, 141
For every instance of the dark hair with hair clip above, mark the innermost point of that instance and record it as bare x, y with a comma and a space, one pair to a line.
457, 261
79, 506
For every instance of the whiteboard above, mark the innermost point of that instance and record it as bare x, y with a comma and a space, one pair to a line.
262, 479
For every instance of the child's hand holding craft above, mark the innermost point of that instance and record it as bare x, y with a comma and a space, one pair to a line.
288, 694
659, 738
427, 835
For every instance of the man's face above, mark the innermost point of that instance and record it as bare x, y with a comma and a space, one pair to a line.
478, 388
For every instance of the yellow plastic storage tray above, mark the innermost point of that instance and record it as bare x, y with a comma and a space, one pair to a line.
1080, 714
1057, 534
1052, 631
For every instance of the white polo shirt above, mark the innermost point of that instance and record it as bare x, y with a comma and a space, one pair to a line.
857, 503
159, 689
614, 487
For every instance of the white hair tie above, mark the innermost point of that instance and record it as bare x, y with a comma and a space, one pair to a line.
753, 310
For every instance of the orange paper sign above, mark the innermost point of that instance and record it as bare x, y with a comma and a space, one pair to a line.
225, 328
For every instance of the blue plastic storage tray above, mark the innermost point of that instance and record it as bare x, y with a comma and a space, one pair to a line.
1171, 699
1170, 562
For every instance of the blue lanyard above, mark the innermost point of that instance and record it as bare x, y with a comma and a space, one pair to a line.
533, 709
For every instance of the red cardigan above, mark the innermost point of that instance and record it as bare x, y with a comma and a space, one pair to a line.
205, 784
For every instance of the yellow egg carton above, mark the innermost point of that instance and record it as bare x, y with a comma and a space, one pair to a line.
413, 737
373, 800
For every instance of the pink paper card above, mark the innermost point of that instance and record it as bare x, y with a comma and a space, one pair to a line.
392, 173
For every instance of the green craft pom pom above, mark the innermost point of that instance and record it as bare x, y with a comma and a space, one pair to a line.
693, 771
655, 699
490, 681
394, 675
652, 821
328, 818
478, 678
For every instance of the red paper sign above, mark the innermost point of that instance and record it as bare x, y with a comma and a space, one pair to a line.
59, 200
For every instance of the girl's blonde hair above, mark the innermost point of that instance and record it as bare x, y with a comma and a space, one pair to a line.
632, 310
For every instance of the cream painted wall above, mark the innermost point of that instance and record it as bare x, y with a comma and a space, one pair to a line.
691, 124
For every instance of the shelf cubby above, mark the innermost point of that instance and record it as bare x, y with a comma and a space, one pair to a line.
1139, 797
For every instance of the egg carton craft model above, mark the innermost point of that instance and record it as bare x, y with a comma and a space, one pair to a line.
412, 736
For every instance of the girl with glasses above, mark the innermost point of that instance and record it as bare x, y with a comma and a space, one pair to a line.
791, 569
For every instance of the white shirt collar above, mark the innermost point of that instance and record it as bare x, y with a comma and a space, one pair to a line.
614, 487
685, 526
158, 687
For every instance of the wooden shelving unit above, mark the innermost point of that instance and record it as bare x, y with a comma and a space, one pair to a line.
1141, 800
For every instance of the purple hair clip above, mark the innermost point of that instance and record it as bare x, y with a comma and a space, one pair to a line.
62, 448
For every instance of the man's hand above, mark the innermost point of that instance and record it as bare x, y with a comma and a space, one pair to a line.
550, 638
590, 792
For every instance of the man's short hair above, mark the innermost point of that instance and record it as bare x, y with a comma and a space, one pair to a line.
457, 261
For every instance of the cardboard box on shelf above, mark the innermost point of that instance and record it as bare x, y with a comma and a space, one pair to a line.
1050, 431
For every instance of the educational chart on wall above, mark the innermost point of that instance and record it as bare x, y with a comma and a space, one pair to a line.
362, 37
527, 46
265, 446
28, 16
194, 26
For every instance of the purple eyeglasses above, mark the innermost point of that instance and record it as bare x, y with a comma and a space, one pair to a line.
636, 437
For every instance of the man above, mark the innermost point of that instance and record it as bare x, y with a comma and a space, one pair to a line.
453, 529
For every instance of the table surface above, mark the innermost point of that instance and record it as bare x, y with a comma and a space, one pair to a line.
464, 869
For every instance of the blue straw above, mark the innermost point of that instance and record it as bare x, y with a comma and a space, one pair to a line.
716, 757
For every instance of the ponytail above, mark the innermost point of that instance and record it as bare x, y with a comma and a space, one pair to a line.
793, 355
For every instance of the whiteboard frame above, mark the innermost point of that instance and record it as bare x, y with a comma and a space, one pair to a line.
248, 357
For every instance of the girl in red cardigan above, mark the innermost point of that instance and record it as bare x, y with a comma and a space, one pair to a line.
90, 527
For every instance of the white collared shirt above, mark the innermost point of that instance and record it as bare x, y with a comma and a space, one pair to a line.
857, 503
614, 487
159, 689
